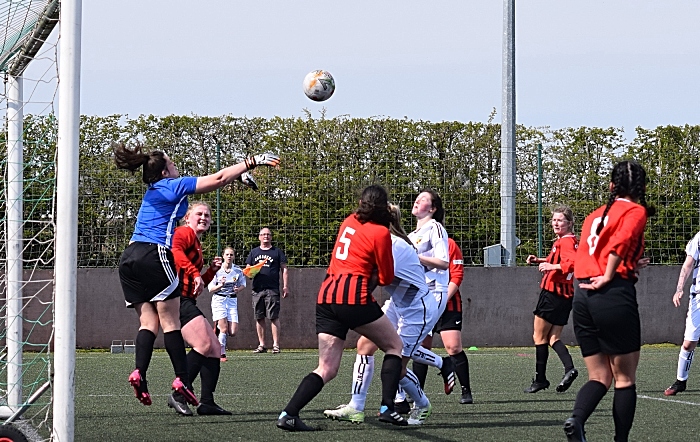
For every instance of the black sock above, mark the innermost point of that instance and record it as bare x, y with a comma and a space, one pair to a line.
564, 355
462, 370
309, 387
624, 406
195, 360
421, 372
587, 399
144, 350
211, 367
175, 346
391, 375
541, 355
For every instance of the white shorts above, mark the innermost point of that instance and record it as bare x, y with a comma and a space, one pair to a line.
440, 304
224, 307
692, 320
413, 323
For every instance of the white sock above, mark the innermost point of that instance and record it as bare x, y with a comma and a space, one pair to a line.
222, 342
685, 358
400, 395
411, 384
362, 373
425, 356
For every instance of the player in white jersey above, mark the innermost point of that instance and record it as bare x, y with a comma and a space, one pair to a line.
227, 282
692, 321
414, 312
430, 240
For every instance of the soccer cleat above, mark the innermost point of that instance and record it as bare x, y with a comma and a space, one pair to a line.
291, 423
402, 407
466, 397
574, 431
186, 393
223, 358
211, 409
392, 417
568, 379
537, 386
345, 413
260, 349
140, 387
677, 387
275, 349
177, 402
448, 374
419, 415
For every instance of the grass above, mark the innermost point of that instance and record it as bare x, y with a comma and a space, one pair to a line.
256, 388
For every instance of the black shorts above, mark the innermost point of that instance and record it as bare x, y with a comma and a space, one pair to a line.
337, 319
266, 304
147, 273
188, 310
553, 308
607, 320
450, 320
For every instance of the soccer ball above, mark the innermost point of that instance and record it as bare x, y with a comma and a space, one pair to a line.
319, 85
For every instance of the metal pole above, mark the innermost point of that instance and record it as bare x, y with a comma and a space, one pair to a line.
539, 199
508, 135
66, 220
218, 203
15, 216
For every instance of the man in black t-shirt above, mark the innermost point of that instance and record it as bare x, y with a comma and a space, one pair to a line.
266, 288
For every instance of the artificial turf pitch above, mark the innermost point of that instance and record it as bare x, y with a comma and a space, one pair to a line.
255, 387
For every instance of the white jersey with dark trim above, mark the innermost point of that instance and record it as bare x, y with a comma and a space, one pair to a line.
693, 249
409, 278
431, 242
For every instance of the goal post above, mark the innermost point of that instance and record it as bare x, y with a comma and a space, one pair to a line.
38, 218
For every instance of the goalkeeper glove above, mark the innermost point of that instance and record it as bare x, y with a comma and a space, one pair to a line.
247, 179
263, 159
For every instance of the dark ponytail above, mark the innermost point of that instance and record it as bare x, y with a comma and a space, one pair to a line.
131, 158
628, 179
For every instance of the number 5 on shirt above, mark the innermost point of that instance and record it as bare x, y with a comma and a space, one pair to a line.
342, 251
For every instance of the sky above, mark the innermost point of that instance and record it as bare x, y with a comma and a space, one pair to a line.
596, 63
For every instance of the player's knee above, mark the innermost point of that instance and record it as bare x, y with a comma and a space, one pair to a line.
689, 345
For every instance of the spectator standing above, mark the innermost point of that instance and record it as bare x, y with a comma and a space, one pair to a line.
266, 288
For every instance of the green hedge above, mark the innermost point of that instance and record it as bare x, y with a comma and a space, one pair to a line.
325, 162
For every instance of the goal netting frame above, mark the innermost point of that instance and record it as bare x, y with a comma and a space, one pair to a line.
37, 229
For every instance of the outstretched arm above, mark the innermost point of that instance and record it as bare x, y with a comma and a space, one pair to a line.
229, 174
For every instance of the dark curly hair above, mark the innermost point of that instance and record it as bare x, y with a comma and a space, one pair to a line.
628, 179
374, 206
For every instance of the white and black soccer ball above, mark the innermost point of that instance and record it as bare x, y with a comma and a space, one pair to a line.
319, 85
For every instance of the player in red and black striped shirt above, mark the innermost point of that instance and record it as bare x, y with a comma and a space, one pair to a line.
361, 260
449, 326
605, 310
189, 261
554, 303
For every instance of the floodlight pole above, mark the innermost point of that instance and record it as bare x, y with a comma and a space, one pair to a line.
15, 215
508, 240
67, 220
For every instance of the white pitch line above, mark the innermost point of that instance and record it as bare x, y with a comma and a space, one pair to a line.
666, 400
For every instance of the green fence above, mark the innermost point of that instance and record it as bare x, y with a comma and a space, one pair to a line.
325, 162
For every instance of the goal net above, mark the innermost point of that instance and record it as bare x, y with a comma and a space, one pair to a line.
28, 65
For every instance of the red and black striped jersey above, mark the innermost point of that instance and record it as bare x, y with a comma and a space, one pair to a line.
622, 234
187, 251
456, 269
561, 282
359, 251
